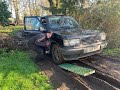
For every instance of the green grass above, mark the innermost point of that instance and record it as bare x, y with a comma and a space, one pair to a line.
12, 30
112, 51
18, 72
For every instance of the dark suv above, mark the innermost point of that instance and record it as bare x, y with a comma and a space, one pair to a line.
69, 40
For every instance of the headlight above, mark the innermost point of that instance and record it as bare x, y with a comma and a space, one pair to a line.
71, 42
102, 36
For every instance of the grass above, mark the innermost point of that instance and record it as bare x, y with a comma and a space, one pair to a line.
18, 72
12, 30
112, 51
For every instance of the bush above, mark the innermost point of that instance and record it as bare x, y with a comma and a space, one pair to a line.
104, 15
4, 13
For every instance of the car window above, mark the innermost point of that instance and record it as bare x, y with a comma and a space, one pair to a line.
53, 22
33, 23
62, 22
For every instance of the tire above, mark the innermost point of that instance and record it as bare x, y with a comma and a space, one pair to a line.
56, 55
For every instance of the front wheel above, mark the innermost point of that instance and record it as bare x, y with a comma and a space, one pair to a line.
56, 54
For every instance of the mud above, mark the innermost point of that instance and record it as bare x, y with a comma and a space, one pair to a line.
106, 65
64, 80
58, 77
13, 42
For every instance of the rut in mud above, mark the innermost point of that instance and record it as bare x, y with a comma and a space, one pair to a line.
105, 65
64, 80
58, 77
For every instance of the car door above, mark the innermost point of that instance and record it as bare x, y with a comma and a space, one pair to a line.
33, 25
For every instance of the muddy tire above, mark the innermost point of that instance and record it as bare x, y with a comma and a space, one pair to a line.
56, 55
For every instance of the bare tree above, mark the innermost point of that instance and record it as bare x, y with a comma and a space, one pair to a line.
16, 8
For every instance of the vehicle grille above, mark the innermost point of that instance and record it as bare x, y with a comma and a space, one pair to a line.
87, 41
90, 40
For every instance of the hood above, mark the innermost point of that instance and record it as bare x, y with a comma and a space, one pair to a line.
77, 33
89, 33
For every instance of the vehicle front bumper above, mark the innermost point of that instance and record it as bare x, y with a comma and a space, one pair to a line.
75, 53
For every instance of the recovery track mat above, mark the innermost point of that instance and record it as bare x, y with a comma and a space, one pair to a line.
83, 71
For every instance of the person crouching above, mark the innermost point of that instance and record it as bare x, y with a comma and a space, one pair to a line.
38, 43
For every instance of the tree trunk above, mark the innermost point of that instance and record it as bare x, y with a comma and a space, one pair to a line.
57, 3
51, 5
16, 4
29, 2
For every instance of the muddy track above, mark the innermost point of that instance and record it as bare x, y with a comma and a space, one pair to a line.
104, 77
99, 80
95, 83
105, 71
64, 80
59, 78
108, 67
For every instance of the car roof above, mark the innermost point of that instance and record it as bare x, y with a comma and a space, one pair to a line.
52, 15
45, 16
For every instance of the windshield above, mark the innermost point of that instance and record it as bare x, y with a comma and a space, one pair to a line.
64, 22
